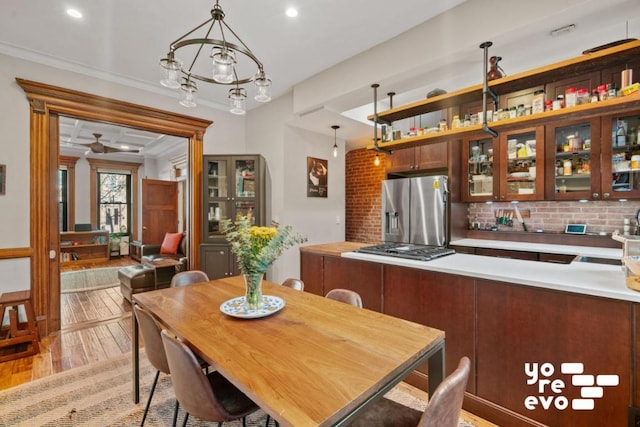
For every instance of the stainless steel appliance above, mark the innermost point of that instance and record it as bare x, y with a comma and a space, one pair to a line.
414, 218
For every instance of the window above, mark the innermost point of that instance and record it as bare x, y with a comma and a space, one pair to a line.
63, 200
114, 202
66, 192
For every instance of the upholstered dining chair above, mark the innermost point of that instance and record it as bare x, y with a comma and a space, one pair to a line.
296, 284
346, 296
443, 409
155, 352
209, 397
189, 277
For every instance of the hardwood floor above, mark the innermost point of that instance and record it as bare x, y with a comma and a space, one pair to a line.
97, 326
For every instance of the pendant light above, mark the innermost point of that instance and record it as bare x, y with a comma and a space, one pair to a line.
189, 92
335, 143
237, 97
220, 66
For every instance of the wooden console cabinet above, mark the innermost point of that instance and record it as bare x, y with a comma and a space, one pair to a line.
84, 246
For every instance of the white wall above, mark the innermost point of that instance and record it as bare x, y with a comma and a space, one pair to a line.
285, 149
225, 135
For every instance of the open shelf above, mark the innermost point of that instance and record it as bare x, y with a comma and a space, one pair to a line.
611, 57
609, 106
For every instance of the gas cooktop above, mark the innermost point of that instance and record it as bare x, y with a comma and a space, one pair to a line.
408, 251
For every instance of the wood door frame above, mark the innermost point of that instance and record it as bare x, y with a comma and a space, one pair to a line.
46, 104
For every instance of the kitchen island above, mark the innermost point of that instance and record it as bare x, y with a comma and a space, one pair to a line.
506, 315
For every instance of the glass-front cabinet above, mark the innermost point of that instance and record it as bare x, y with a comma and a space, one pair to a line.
478, 158
573, 160
621, 156
233, 185
521, 155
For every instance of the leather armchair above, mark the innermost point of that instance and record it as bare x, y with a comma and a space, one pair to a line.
151, 256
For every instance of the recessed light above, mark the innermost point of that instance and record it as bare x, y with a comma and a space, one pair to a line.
74, 13
292, 12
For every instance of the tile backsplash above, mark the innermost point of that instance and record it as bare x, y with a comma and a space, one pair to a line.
600, 216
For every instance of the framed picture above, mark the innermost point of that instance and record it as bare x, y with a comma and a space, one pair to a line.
3, 179
317, 175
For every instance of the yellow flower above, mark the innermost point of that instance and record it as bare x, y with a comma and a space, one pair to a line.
256, 247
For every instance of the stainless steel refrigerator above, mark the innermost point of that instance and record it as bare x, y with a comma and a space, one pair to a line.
414, 210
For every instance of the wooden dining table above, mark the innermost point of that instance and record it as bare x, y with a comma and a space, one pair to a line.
315, 362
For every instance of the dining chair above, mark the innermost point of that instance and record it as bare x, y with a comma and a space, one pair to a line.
443, 409
154, 350
346, 296
296, 284
209, 397
189, 277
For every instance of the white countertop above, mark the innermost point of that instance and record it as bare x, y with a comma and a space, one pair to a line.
600, 280
589, 251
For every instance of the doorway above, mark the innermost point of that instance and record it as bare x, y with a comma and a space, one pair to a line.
109, 200
46, 104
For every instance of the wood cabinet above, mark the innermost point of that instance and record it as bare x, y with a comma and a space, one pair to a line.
311, 270
232, 185
620, 165
362, 277
438, 300
572, 164
218, 261
504, 168
521, 154
84, 246
502, 327
517, 325
426, 157
480, 167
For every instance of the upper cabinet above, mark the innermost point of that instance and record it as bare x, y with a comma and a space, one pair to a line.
521, 154
233, 185
573, 160
504, 168
621, 156
412, 160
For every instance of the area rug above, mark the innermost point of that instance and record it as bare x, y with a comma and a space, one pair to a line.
99, 394
89, 279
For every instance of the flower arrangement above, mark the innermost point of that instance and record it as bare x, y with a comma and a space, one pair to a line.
256, 248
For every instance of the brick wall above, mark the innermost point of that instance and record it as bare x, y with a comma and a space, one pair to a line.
362, 192
600, 216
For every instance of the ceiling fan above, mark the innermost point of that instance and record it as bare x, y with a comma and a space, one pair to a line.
99, 148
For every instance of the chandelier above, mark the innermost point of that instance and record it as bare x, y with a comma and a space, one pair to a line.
219, 65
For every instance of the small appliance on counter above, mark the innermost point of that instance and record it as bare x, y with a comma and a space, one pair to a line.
414, 218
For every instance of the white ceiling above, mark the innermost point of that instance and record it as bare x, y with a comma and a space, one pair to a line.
122, 41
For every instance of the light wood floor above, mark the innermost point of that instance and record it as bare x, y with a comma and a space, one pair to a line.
97, 326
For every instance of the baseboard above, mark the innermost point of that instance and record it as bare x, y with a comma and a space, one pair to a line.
496, 413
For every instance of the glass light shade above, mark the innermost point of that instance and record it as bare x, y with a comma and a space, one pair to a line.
189, 93
237, 98
171, 68
263, 87
223, 60
376, 161
335, 150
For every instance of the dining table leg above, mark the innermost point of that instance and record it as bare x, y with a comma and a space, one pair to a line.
135, 360
436, 370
